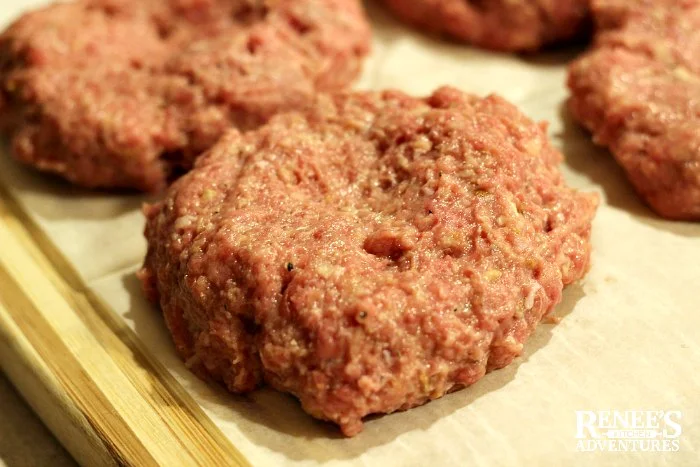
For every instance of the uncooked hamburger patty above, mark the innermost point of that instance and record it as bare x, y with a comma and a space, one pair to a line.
637, 92
370, 255
507, 25
122, 93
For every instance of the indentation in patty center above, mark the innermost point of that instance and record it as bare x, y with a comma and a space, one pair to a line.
388, 244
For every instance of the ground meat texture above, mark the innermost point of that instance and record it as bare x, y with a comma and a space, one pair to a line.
126, 93
637, 92
506, 25
369, 255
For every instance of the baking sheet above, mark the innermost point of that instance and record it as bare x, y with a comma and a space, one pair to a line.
629, 338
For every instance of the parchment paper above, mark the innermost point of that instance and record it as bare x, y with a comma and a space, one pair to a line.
629, 338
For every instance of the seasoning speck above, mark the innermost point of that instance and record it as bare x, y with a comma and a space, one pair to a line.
290, 266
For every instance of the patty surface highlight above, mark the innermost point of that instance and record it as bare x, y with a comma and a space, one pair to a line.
637, 92
126, 93
505, 25
369, 255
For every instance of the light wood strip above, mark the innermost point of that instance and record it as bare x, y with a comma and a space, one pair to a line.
73, 374
46, 397
131, 403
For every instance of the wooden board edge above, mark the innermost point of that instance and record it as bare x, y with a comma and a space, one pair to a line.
35, 382
191, 437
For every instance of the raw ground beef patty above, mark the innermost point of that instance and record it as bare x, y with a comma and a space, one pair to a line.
637, 91
122, 93
507, 25
370, 255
